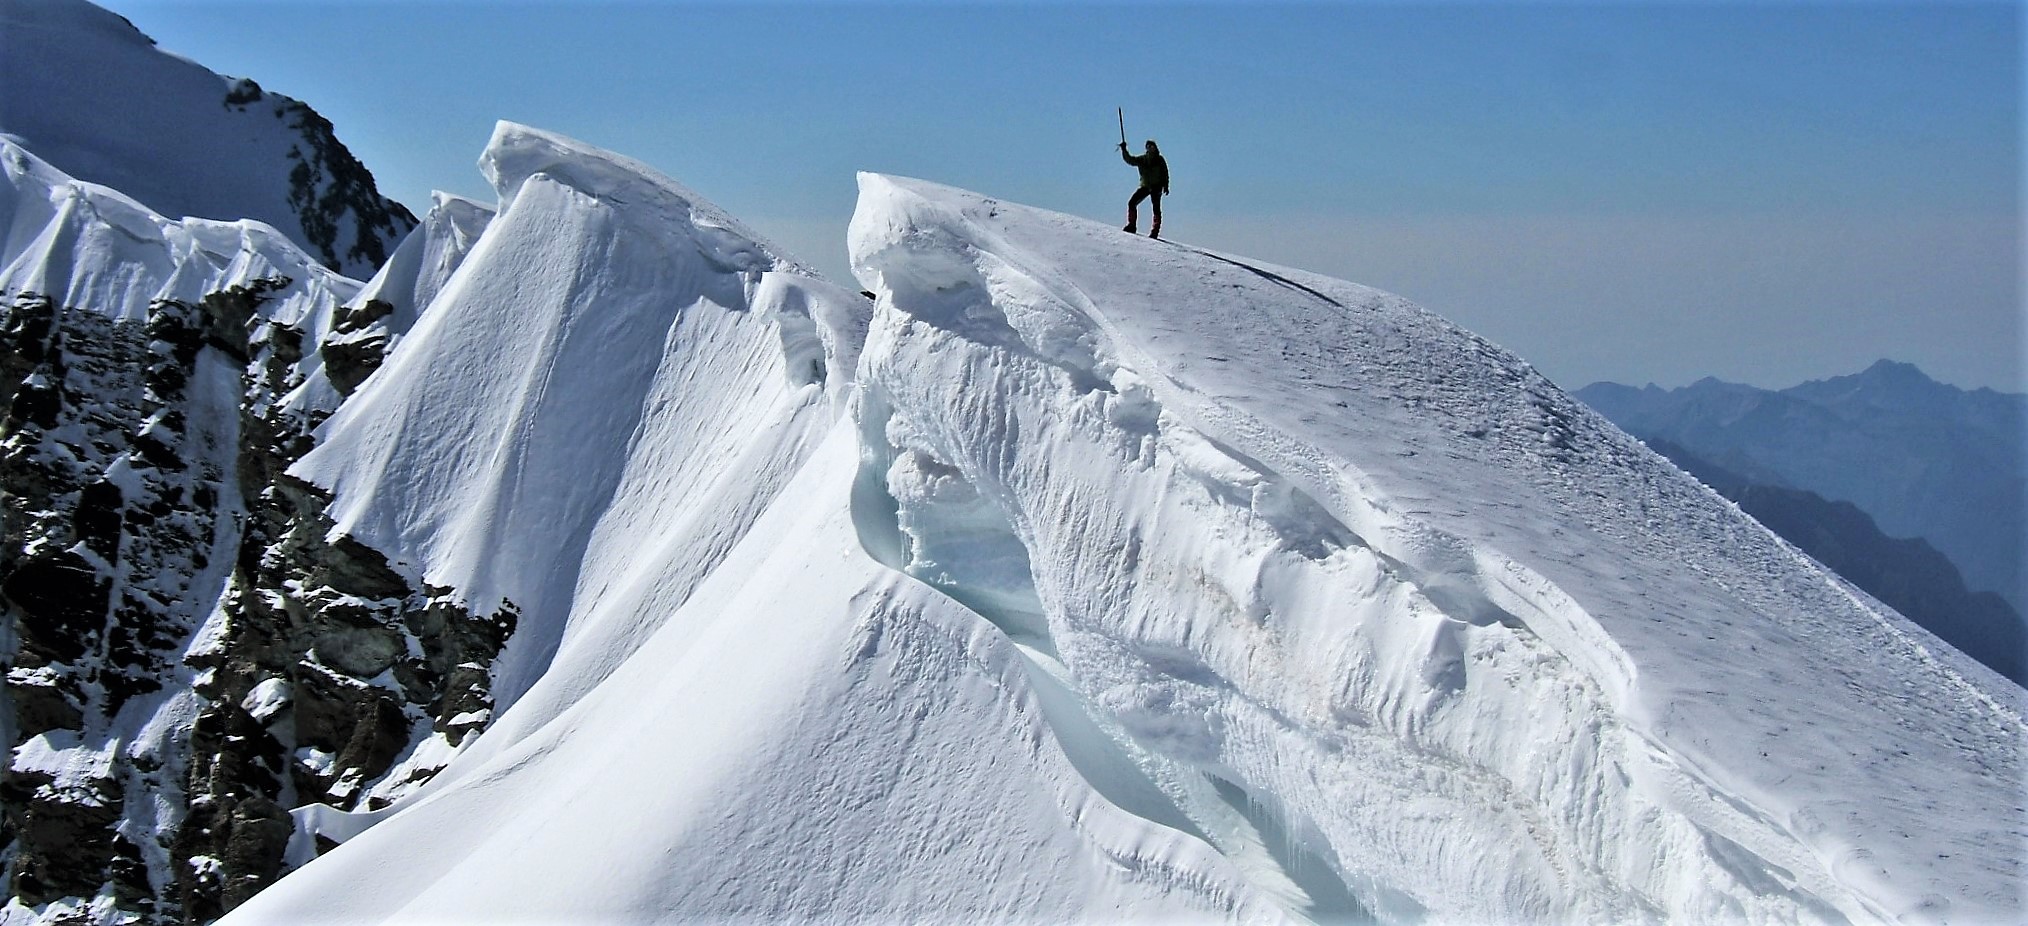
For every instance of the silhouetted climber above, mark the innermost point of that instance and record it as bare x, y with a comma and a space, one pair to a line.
1154, 183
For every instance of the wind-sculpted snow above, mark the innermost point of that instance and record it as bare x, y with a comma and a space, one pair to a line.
1093, 578
365, 329
425, 260
1326, 566
86, 246
626, 413
617, 367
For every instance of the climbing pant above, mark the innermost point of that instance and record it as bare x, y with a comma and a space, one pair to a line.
1134, 210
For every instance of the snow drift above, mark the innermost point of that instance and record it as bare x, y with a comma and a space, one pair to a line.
1095, 577
91, 247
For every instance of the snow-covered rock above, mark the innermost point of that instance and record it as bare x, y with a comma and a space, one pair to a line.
90, 94
616, 367
190, 649
1097, 578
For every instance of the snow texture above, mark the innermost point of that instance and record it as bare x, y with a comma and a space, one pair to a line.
90, 247
1096, 578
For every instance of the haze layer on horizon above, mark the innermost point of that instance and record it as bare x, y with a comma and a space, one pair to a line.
1767, 193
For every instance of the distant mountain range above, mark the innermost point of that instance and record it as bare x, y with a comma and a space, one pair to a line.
1905, 573
1917, 458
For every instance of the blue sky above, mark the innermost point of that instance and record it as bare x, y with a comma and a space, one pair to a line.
1766, 192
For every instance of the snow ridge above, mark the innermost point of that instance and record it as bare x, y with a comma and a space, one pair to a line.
96, 249
547, 354
1084, 576
1458, 515
675, 513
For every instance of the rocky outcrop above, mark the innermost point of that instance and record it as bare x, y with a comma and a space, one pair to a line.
356, 345
196, 650
345, 219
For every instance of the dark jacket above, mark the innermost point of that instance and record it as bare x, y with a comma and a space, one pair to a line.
1154, 170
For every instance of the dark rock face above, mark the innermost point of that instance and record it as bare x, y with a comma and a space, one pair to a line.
335, 198
64, 834
160, 570
355, 348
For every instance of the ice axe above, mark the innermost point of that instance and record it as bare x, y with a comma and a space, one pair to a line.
1123, 126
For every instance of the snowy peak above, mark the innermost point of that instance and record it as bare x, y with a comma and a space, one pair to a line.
1079, 576
95, 249
1250, 512
610, 332
74, 17
89, 93
518, 153
1244, 592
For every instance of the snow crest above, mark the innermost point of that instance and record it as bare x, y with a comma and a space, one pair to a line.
1088, 577
640, 424
614, 367
1337, 574
90, 247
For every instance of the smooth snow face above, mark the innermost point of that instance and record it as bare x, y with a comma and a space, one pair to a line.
1140, 583
425, 260
1320, 560
89, 93
391, 301
807, 737
616, 367
92, 248
626, 414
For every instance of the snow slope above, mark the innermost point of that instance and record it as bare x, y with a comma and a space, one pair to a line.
625, 413
1105, 578
90, 94
1420, 582
546, 420
94, 248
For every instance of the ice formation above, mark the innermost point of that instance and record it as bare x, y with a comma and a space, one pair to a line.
1088, 577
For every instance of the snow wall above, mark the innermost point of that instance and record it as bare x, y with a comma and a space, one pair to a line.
1088, 577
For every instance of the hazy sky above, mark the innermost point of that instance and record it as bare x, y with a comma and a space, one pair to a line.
1765, 192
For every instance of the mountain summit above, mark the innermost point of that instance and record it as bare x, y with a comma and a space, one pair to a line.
1094, 577
87, 92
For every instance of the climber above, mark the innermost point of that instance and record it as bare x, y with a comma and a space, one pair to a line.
1154, 183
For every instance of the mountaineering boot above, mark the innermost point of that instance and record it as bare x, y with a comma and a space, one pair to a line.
1129, 228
